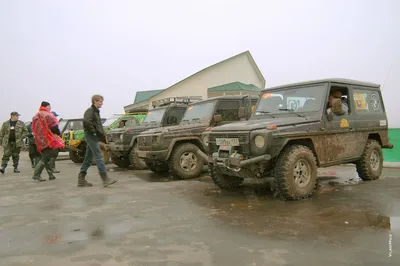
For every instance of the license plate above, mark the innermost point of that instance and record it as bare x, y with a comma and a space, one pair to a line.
227, 141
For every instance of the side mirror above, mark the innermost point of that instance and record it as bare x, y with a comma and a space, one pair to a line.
217, 118
242, 112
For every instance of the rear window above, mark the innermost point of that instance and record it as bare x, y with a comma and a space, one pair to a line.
366, 101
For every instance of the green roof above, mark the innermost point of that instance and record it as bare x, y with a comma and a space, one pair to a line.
142, 96
234, 86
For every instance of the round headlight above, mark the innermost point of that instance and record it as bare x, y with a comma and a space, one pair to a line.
205, 140
259, 141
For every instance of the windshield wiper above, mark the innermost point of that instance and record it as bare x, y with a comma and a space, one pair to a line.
265, 112
290, 110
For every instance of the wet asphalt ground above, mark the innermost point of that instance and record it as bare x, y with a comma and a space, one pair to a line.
150, 219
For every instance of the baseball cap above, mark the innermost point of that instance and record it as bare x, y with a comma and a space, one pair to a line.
15, 113
54, 113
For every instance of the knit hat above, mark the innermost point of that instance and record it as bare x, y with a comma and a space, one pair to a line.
45, 104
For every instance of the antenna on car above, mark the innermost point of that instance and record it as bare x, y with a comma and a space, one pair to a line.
387, 76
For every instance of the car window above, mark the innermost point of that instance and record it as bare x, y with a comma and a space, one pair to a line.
229, 110
366, 101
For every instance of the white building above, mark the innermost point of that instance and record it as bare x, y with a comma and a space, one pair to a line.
236, 75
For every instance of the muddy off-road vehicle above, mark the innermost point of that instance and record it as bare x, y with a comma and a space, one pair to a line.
77, 143
299, 127
181, 148
122, 142
67, 128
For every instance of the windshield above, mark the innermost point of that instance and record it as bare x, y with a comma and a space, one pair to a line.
304, 99
110, 120
154, 116
202, 111
62, 124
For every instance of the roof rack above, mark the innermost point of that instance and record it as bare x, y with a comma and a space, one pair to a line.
169, 100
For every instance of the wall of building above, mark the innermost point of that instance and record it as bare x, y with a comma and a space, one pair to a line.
393, 155
237, 68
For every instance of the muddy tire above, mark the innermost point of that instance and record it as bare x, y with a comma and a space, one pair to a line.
120, 161
296, 172
369, 166
184, 161
224, 181
158, 167
78, 156
136, 162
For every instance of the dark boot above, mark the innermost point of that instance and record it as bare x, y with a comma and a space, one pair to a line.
82, 181
38, 170
50, 173
3, 170
106, 180
16, 170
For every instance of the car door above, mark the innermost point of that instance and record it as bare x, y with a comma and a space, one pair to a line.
341, 142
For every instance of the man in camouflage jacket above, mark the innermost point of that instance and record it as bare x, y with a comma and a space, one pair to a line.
12, 132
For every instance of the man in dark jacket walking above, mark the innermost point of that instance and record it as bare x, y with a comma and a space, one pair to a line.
94, 133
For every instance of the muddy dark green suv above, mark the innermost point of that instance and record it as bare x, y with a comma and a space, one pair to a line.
122, 142
299, 127
181, 148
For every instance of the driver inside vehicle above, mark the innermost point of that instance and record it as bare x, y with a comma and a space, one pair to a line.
336, 105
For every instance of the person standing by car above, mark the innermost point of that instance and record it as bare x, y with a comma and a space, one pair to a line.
12, 132
94, 132
47, 139
34, 155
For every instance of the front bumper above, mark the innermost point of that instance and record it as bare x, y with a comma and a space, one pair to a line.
118, 147
161, 155
235, 161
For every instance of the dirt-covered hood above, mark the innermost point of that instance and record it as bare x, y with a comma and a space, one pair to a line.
171, 129
263, 123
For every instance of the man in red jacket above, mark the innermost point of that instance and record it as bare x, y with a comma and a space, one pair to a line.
47, 139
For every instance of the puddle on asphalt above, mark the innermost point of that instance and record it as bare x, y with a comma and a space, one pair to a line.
334, 209
84, 202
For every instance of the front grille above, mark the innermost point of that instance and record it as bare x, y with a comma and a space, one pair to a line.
243, 137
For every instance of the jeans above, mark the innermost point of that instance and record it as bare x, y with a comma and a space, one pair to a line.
93, 150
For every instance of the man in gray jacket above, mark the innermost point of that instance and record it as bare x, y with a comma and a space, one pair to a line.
12, 132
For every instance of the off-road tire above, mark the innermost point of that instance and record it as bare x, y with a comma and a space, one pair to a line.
120, 161
284, 172
158, 167
364, 165
136, 162
224, 181
78, 156
185, 149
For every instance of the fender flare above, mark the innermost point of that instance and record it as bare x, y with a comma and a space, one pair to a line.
171, 146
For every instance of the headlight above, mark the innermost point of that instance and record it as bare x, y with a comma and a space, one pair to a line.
259, 141
156, 140
205, 140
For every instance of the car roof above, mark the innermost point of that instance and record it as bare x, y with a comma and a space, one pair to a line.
228, 97
332, 80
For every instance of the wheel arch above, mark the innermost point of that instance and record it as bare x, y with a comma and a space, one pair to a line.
308, 142
175, 142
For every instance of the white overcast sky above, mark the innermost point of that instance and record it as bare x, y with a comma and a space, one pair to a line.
65, 51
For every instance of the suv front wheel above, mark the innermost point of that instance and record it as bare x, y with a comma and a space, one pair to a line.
369, 166
185, 163
296, 172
